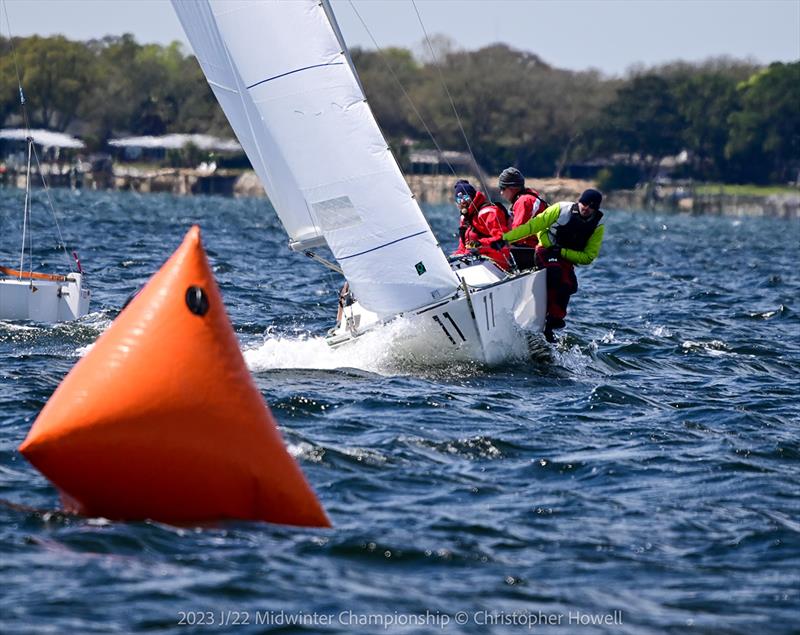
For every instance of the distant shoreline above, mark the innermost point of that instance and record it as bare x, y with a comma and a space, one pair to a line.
431, 189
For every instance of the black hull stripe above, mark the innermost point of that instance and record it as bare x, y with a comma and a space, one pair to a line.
439, 322
455, 326
431, 308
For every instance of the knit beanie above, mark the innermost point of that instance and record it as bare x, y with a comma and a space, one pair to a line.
511, 177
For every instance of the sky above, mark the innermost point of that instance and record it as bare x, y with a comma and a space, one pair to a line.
612, 36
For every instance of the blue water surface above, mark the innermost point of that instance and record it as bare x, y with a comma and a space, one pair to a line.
642, 476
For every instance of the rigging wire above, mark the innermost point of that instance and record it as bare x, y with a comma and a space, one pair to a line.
452, 102
16, 69
402, 88
52, 207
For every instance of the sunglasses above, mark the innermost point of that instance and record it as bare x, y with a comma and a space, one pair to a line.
462, 198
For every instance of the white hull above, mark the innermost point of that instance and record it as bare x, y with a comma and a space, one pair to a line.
44, 300
486, 320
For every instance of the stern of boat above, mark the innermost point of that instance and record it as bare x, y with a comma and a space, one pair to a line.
44, 300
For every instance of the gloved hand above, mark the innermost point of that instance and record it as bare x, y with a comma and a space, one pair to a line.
474, 251
498, 244
552, 254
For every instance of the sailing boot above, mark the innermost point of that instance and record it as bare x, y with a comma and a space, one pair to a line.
550, 324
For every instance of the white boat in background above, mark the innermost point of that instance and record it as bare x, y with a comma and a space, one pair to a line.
24, 293
282, 73
41, 297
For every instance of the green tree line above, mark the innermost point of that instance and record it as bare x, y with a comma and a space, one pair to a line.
737, 121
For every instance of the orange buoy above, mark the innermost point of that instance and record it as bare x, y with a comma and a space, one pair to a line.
162, 419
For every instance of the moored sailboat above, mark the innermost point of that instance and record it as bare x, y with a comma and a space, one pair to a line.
282, 73
24, 293
41, 297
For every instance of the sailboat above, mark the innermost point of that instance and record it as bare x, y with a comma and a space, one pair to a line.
283, 75
24, 293
29, 295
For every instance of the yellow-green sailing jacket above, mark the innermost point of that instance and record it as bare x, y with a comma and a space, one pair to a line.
561, 225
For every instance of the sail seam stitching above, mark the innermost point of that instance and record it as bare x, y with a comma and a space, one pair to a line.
382, 246
297, 70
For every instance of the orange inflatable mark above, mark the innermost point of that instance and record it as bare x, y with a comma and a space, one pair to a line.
162, 420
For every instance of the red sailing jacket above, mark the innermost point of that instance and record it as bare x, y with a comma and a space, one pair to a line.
483, 224
528, 204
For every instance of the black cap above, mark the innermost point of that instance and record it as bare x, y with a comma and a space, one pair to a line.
511, 177
591, 198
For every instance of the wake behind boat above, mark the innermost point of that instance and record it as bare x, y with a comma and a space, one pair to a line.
282, 73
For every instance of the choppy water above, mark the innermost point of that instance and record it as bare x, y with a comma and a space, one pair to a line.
648, 465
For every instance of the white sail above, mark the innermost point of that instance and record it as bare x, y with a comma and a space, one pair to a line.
286, 85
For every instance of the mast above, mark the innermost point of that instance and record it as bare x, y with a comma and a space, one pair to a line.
284, 77
326, 5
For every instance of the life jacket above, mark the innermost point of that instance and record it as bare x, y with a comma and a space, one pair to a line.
503, 212
527, 190
474, 228
481, 205
521, 216
576, 231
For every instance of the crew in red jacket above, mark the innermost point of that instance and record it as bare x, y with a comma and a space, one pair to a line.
481, 224
525, 204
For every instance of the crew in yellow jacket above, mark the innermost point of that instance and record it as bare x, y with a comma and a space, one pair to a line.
569, 234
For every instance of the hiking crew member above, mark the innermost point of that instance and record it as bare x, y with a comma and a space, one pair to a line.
525, 204
482, 223
569, 234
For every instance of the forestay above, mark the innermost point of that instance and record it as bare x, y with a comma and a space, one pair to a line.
287, 87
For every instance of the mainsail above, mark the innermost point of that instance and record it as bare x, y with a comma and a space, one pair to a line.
285, 82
